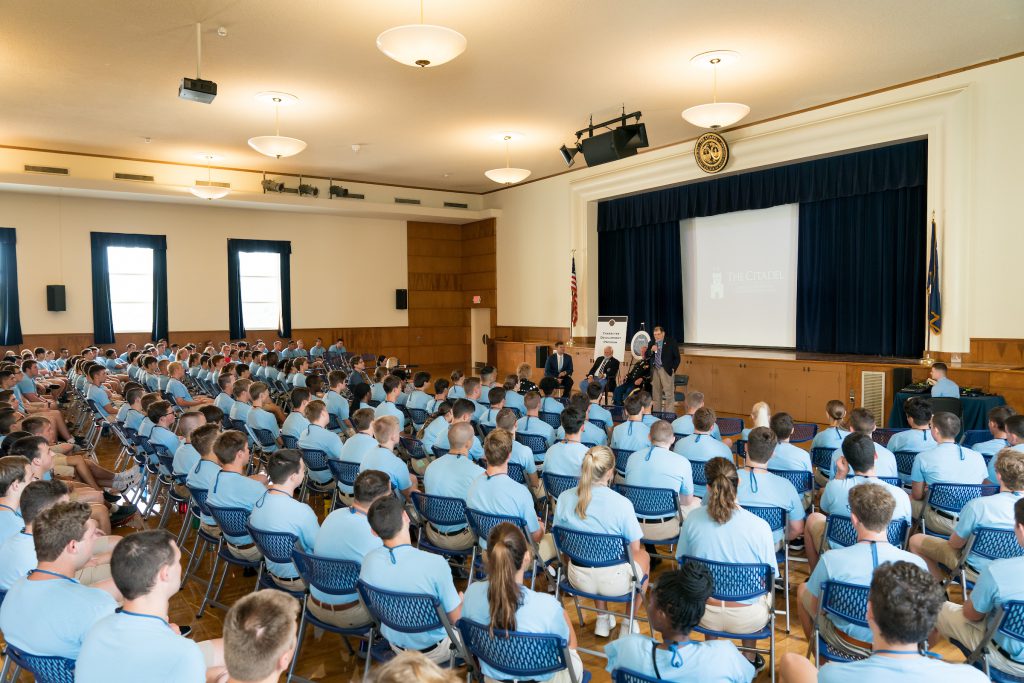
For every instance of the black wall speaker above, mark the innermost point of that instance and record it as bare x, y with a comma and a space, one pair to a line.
542, 356
55, 298
901, 377
401, 299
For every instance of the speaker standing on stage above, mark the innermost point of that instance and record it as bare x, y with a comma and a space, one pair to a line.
559, 366
604, 371
664, 355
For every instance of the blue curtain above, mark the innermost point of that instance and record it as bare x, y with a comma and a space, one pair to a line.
102, 314
10, 311
236, 322
861, 274
640, 265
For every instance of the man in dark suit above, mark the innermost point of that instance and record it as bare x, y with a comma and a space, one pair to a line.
664, 355
559, 366
604, 371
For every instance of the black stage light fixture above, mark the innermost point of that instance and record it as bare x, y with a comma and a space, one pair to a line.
306, 190
569, 153
272, 186
338, 191
615, 143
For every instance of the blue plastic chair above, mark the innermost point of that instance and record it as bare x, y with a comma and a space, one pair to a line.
441, 511
264, 438
535, 442
801, 480
276, 546
408, 613
891, 481
316, 461
43, 669
664, 415
232, 522
517, 654
414, 447
553, 419
699, 476
973, 437
905, 462
952, 498
882, 436
517, 473
653, 504
486, 429
343, 473
821, 459
777, 520
729, 426
630, 676
840, 533
418, 416
737, 582
598, 423
438, 451
990, 543
803, 432
289, 441
621, 459
482, 523
1008, 621
554, 486
845, 601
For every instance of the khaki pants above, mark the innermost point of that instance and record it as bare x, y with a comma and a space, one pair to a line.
610, 581
954, 625
663, 390
745, 619
934, 522
829, 631
213, 530
463, 540
251, 554
354, 616
661, 531
439, 655
296, 584
939, 550
814, 531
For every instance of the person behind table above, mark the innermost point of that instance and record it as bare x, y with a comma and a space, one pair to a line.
903, 604
942, 386
675, 606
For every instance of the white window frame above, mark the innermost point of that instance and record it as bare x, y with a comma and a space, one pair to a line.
262, 278
130, 282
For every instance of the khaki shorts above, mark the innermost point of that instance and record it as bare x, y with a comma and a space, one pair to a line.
353, 617
63, 471
92, 575
610, 581
463, 540
296, 584
251, 554
439, 655
745, 619
939, 550
955, 626
814, 530
665, 532
60, 460
934, 522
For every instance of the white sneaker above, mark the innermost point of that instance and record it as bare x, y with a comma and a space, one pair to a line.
625, 629
602, 627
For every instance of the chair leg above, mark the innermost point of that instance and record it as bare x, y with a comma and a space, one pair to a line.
209, 586
369, 653
298, 643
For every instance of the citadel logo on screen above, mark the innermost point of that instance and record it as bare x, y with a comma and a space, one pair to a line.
744, 282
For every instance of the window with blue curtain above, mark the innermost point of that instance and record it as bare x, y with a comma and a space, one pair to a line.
10, 311
248, 283
103, 306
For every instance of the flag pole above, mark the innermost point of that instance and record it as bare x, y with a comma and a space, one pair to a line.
927, 360
572, 258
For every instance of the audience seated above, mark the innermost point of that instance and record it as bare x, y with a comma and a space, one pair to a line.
462, 412
633, 434
948, 462
701, 446
997, 428
1014, 439
451, 476
760, 416
15, 475
532, 424
592, 435
383, 458
863, 422
760, 488
232, 489
786, 455
919, 437
260, 633
392, 387
838, 429
658, 467
296, 424
550, 404
566, 456
683, 425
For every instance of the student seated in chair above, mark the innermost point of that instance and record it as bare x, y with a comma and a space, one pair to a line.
592, 435
383, 458
260, 634
1014, 439
942, 386
658, 467
862, 421
451, 476
566, 456
701, 446
675, 605
495, 402
683, 425
948, 462
462, 411
760, 488
838, 429
392, 387
513, 399
474, 392
398, 566
177, 390
997, 428
532, 424
232, 489
919, 437
902, 607
15, 475
550, 404
521, 454
787, 456
260, 417
999, 581
633, 434
296, 424
994, 512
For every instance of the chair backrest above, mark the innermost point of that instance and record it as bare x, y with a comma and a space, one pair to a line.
440, 510
972, 437
650, 502
44, 669
598, 423
621, 459
414, 447
553, 419
289, 441
518, 654
821, 458
276, 546
803, 432
482, 522
237, 425
405, 612
486, 429
1010, 619
333, 424
994, 544
664, 415
198, 497
775, 516
418, 415
334, 577
618, 413
948, 404
846, 601
555, 484
891, 481
316, 460
741, 448
264, 436
535, 442
372, 403
232, 521
588, 549
840, 532
905, 461
438, 451
343, 472
630, 676
882, 436
699, 476
517, 472
953, 497
729, 426
801, 480
735, 581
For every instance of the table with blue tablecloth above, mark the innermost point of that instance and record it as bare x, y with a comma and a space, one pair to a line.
975, 410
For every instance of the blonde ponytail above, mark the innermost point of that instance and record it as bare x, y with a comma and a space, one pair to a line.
721, 489
598, 461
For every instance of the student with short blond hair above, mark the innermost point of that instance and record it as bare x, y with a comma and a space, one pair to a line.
260, 635
383, 458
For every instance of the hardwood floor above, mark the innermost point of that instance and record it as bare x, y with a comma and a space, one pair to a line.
325, 658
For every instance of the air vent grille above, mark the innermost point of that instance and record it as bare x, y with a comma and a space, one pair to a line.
212, 183
455, 205
402, 200
134, 176
49, 170
872, 392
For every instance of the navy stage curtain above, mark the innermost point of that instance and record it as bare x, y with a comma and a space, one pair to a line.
236, 323
861, 274
641, 276
102, 314
10, 311
633, 248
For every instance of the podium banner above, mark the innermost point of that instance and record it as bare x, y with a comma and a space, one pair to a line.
611, 331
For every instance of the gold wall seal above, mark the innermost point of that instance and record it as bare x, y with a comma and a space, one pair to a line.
711, 152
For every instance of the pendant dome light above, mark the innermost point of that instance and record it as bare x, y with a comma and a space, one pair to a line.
277, 145
207, 189
508, 175
421, 44
716, 114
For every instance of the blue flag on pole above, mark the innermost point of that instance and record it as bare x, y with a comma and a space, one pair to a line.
934, 291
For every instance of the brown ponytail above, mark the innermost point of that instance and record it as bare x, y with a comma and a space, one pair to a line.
721, 489
598, 461
506, 550
837, 413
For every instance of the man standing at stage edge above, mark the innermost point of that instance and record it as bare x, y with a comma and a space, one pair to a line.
664, 354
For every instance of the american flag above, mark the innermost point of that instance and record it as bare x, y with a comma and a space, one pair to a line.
572, 288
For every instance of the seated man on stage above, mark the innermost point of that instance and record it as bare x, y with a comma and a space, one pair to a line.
603, 372
559, 366
638, 377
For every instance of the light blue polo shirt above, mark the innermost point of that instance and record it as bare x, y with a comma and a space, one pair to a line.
608, 513
336, 405
317, 351
476, 449
659, 468
905, 669
988, 511
592, 434
489, 417
991, 447
177, 390
914, 440
295, 425
522, 455
433, 431
51, 618
536, 613
683, 425
992, 463
885, 462
19, 558
418, 399
201, 477
764, 489
1000, 581
831, 438
261, 419
384, 460
945, 388
232, 490
166, 438
790, 457
240, 411
515, 401
317, 438
146, 427
122, 413
537, 427
599, 412
456, 391
478, 410
856, 565
716, 661
551, 405
498, 494
701, 448
409, 570
299, 380
389, 408
631, 436
949, 462
139, 648
11, 522
744, 539
99, 395
282, 513
185, 459
451, 476
377, 392
26, 385
344, 535
836, 498
565, 458
224, 402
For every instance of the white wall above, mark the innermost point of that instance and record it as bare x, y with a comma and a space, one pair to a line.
972, 120
335, 259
